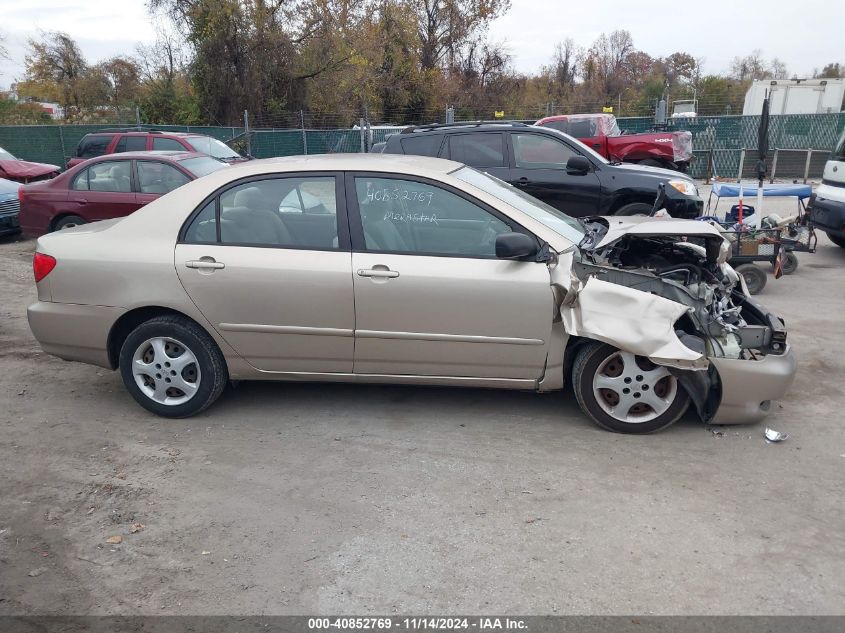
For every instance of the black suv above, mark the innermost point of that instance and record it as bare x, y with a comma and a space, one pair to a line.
551, 166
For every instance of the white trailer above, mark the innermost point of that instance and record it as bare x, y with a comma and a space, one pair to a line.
795, 96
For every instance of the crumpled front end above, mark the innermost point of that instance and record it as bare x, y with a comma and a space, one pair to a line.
663, 290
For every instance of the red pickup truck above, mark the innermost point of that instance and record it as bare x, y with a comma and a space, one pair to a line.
672, 150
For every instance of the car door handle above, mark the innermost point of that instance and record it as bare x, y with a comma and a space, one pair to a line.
522, 182
204, 264
376, 272
80, 201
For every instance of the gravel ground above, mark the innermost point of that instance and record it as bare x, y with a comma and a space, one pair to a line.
302, 499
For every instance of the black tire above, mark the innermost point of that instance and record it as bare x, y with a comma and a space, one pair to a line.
594, 359
790, 263
836, 239
210, 366
635, 208
69, 221
755, 277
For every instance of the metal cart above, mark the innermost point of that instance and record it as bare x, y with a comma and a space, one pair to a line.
748, 247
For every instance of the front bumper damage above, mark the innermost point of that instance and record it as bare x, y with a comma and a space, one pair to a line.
732, 371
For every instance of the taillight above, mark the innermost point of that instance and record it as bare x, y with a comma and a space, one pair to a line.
42, 265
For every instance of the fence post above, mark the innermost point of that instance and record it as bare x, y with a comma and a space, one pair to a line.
304, 136
807, 165
62, 142
138, 118
246, 132
450, 114
774, 166
363, 134
741, 164
709, 172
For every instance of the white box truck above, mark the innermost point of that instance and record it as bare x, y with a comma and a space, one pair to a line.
795, 96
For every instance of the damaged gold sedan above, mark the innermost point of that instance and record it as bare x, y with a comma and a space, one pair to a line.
410, 270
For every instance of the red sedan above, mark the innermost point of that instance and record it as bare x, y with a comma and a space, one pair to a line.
110, 186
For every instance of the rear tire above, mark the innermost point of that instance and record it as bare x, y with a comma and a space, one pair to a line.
69, 221
172, 367
790, 263
625, 393
635, 208
755, 277
839, 241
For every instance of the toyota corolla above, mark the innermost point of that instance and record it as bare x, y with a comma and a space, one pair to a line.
410, 270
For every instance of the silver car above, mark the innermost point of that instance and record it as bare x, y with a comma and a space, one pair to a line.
410, 270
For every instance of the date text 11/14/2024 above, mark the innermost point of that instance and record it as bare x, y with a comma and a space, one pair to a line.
417, 623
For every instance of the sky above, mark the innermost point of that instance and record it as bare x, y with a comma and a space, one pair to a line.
806, 35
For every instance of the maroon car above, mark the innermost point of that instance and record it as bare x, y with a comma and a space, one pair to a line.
12, 168
107, 187
118, 141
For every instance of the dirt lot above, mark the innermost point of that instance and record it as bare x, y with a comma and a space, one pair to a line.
329, 498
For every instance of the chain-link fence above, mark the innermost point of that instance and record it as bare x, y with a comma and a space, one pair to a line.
724, 146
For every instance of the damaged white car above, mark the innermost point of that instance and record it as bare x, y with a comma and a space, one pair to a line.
410, 270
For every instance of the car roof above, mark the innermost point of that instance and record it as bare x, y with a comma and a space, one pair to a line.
165, 154
391, 163
146, 133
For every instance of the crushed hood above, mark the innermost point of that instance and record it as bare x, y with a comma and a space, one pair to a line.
619, 227
26, 170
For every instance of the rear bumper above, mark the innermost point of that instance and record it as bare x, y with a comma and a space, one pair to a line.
828, 215
749, 387
73, 332
686, 208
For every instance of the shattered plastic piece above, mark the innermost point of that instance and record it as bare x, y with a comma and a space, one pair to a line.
205, 553
37, 572
136, 527
774, 436
114, 540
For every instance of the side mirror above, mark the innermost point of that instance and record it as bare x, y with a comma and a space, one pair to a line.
515, 246
577, 165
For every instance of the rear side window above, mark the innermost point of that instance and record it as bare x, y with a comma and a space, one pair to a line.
131, 144
93, 145
168, 144
110, 176
478, 150
421, 145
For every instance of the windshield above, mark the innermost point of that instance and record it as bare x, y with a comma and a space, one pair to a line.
212, 147
202, 166
4, 155
556, 220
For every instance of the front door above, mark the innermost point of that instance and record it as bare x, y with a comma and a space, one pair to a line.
538, 167
431, 298
272, 274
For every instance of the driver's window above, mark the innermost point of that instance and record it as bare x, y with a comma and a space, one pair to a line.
406, 216
535, 151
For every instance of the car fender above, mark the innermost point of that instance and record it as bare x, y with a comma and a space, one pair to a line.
632, 320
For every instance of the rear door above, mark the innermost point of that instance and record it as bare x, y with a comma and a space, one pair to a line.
538, 167
485, 151
278, 291
103, 191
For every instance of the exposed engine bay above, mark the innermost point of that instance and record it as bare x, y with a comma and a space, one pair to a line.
692, 270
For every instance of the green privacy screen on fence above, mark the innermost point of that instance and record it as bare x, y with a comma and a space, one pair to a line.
722, 137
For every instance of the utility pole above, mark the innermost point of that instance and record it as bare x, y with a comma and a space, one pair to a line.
138, 117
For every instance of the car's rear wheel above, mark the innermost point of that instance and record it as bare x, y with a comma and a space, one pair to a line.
836, 239
626, 393
69, 221
635, 208
172, 367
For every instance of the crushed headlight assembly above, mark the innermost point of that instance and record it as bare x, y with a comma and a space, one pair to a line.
684, 186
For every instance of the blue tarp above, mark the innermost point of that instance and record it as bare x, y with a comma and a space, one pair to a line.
749, 190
